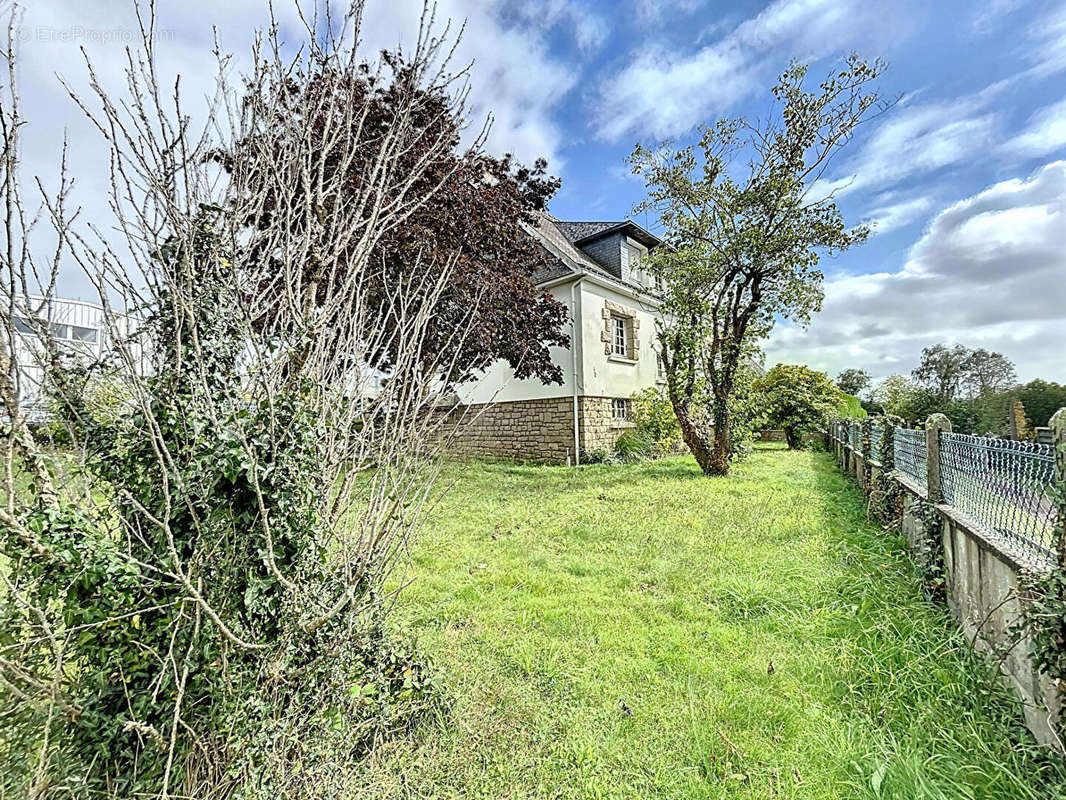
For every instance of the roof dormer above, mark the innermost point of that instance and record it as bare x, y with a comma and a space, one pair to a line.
619, 247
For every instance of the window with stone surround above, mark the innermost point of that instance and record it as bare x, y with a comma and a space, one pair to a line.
619, 332
620, 409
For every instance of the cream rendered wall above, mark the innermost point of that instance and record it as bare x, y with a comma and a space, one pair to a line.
602, 375
598, 374
498, 383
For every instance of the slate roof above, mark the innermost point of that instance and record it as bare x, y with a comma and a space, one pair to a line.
582, 232
558, 237
577, 231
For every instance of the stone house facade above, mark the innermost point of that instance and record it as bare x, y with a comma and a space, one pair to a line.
596, 272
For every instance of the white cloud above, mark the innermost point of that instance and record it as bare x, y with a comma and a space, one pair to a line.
917, 138
890, 216
1045, 43
990, 14
515, 76
986, 272
664, 93
1044, 133
650, 12
588, 29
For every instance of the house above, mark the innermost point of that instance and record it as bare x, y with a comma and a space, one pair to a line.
596, 272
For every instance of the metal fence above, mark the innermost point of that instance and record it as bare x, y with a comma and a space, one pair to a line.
855, 435
908, 450
876, 434
1005, 487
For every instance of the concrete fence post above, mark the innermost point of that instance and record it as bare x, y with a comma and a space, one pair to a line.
1058, 441
933, 427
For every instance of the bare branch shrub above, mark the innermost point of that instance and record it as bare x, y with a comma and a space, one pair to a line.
194, 581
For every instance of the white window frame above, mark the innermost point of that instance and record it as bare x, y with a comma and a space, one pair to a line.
619, 409
619, 336
636, 257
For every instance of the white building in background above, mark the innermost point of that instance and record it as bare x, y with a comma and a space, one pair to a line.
80, 331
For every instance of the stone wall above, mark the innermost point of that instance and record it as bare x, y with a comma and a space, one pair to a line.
598, 428
536, 430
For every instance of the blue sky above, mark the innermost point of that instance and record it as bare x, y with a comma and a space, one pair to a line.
965, 179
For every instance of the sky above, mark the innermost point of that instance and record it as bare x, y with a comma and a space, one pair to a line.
964, 179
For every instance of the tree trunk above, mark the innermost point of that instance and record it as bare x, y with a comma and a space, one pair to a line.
696, 440
723, 441
792, 438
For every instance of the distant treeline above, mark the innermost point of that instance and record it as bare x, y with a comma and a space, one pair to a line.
976, 389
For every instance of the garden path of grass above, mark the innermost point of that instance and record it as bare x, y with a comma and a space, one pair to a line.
608, 632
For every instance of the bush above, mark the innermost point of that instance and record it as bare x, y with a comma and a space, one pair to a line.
656, 421
653, 414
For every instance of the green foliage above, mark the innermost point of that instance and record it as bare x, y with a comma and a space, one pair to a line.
942, 370
1043, 610
892, 394
264, 665
886, 494
104, 400
799, 400
1041, 400
745, 236
654, 416
633, 446
1043, 620
929, 553
853, 381
850, 408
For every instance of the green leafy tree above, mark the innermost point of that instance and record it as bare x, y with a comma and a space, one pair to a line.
851, 407
988, 372
943, 370
745, 235
853, 381
1041, 400
893, 393
799, 400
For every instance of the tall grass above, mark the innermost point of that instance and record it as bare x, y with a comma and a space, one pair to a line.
609, 631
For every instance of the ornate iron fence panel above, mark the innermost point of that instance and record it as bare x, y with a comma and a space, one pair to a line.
876, 433
1005, 487
908, 447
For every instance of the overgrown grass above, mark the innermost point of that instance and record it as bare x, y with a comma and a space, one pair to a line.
608, 632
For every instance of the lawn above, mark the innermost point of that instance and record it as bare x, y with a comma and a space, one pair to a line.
641, 631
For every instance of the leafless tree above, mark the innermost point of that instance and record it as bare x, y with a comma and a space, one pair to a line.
261, 472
